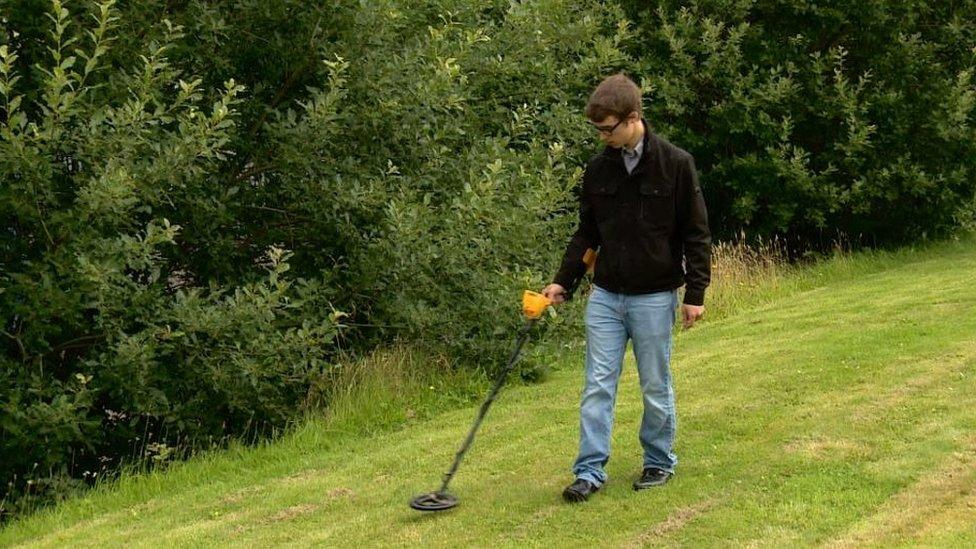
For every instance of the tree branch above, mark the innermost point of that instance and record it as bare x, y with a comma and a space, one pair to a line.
20, 344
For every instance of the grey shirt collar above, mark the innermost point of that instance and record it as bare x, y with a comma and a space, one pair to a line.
632, 156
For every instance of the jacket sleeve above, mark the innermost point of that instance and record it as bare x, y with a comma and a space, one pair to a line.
694, 234
587, 235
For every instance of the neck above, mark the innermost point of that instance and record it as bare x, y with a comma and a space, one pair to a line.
638, 135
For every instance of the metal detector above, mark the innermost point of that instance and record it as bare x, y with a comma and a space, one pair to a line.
533, 305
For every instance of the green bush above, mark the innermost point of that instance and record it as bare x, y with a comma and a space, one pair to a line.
818, 121
107, 335
425, 175
418, 161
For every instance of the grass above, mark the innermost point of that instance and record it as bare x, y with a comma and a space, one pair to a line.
834, 408
392, 387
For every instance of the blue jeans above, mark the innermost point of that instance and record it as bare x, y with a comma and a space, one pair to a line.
612, 319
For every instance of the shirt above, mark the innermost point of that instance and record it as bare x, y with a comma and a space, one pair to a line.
632, 156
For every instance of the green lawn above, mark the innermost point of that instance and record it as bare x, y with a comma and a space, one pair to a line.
843, 414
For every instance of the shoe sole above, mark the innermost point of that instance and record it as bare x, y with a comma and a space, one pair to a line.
574, 497
639, 486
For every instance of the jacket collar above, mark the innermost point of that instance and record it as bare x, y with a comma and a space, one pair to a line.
615, 153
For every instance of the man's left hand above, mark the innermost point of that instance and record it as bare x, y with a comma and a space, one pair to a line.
691, 313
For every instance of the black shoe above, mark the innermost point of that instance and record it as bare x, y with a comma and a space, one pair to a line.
651, 476
579, 490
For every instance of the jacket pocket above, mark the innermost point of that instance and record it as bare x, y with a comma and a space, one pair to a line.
603, 199
656, 204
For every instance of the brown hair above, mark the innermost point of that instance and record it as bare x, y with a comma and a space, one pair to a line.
616, 95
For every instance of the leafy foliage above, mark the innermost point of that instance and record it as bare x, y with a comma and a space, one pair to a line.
105, 333
819, 121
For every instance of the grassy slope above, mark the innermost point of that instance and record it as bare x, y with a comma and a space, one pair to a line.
841, 414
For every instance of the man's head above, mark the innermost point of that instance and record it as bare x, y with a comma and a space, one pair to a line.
614, 109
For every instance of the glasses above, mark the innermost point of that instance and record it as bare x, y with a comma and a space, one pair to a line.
607, 130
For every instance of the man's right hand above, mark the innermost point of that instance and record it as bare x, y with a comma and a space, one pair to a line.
555, 293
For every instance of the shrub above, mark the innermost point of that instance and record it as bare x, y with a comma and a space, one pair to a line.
818, 121
106, 335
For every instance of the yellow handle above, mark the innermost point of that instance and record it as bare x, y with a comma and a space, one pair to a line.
589, 259
534, 304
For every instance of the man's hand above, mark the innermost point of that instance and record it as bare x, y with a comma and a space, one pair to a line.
555, 293
691, 313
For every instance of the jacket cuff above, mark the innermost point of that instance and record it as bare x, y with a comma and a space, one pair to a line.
694, 296
569, 284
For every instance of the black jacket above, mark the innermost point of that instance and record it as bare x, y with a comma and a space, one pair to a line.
643, 224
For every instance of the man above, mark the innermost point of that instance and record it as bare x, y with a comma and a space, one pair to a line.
641, 207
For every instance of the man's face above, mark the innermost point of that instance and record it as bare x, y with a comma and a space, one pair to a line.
615, 132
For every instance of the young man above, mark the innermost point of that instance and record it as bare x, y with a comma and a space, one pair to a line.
641, 207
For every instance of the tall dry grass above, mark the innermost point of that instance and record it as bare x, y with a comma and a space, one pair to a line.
742, 272
748, 274
389, 387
